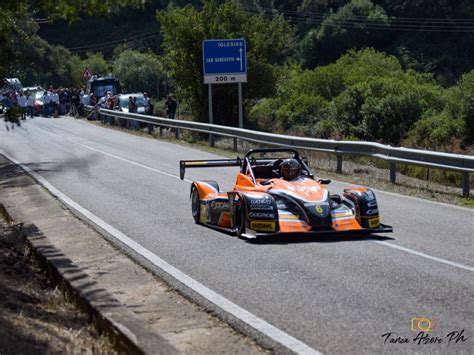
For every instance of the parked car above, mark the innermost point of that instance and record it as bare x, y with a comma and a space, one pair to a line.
11, 84
122, 104
36, 88
38, 106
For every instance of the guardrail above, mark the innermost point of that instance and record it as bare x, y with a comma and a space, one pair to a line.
463, 164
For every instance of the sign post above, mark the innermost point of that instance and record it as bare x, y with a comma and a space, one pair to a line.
211, 118
225, 62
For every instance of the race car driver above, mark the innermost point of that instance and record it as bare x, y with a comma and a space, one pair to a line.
290, 169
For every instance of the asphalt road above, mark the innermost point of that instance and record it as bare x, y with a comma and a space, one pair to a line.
335, 294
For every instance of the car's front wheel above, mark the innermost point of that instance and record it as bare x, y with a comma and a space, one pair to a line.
239, 219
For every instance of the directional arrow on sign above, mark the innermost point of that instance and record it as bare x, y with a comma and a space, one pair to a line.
240, 59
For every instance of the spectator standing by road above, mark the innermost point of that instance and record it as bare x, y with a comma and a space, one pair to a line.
46, 104
68, 94
6, 102
75, 103
55, 103
92, 102
149, 108
130, 110
111, 100
22, 105
30, 103
62, 101
11, 111
133, 108
171, 106
14, 99
82, 99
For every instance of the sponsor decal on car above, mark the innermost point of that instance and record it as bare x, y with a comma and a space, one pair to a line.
372, 203
374, 222
262, 215
341, 214
261, 204
220, 205
372, 212
263, 226
203, 214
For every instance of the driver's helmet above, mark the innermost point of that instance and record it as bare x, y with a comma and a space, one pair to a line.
290, 169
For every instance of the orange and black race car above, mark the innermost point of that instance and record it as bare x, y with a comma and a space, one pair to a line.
276, 193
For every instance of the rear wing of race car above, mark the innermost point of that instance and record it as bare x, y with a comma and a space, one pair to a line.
213, 163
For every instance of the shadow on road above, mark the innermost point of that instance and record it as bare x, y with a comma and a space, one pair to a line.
81, 165
298, 239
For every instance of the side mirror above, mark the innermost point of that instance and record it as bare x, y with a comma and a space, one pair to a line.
324, 181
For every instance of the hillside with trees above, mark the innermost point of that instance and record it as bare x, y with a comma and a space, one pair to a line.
397, 72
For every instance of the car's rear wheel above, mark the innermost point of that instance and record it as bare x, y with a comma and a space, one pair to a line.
195, 205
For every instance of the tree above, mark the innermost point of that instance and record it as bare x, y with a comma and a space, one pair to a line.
96, 63
184, 29
141, 72
18, 20
364, 95
40, 63
342, 30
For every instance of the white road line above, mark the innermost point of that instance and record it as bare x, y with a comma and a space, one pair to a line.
408, 250
423, 255
223, 303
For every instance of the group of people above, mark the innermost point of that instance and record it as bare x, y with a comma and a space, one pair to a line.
112, 102
17, 105
65, 101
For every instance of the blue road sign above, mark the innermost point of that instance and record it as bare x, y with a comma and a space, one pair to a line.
224, 61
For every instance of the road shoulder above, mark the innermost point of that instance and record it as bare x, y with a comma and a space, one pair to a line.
125, 298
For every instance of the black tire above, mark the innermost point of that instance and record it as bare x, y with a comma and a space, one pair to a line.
195, 205
240, 219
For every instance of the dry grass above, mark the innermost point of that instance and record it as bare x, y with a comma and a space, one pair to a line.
35, 318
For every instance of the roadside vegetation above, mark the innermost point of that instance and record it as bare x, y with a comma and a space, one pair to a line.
35, 317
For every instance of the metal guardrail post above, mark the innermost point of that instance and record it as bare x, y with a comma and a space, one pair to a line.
465, 184
339, 164
393, 172
176, 133
235, 144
